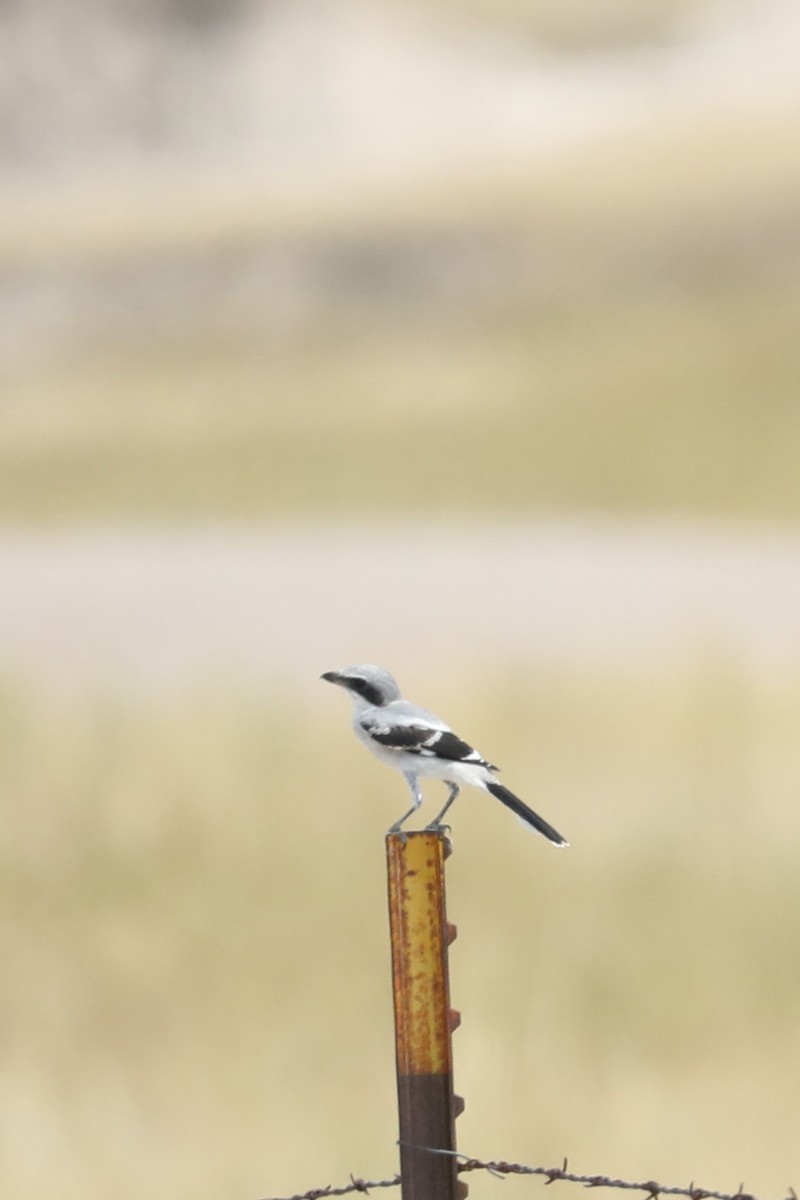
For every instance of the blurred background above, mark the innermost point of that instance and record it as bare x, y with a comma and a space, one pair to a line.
461, 338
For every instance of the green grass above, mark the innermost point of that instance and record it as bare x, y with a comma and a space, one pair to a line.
195, 991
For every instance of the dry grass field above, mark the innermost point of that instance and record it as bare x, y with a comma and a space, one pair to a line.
196, 985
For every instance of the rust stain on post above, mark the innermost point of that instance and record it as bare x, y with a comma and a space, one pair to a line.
423, 1018
416, 902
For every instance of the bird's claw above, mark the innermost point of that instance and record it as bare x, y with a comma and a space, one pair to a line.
438, 827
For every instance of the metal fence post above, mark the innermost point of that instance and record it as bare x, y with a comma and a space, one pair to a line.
423, 1018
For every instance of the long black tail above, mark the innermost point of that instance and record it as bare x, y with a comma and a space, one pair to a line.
515, 804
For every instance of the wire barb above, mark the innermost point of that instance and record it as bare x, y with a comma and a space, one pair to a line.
355, 1185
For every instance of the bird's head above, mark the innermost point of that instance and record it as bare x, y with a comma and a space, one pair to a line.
366, 683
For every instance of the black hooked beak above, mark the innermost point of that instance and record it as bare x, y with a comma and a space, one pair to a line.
332, 677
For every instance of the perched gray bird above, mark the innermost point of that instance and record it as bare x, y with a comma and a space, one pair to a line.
414, 741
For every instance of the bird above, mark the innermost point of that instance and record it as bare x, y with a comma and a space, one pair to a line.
418, 743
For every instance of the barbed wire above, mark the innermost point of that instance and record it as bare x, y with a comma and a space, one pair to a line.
355, 1185
502, 1168
651, 1188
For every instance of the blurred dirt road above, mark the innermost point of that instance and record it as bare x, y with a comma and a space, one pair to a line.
275, 605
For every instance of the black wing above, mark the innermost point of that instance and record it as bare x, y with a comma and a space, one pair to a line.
421, 739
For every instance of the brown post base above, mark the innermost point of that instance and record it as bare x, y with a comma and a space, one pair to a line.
426, 1101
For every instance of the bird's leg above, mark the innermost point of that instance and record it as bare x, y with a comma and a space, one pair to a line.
416, 795
436, 823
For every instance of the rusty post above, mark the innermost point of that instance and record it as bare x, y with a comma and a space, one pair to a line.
422, 1016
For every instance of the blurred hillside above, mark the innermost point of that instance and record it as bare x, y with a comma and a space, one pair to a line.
227, 230
105, 83
108, 84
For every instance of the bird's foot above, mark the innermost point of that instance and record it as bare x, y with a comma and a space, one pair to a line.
438, 827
